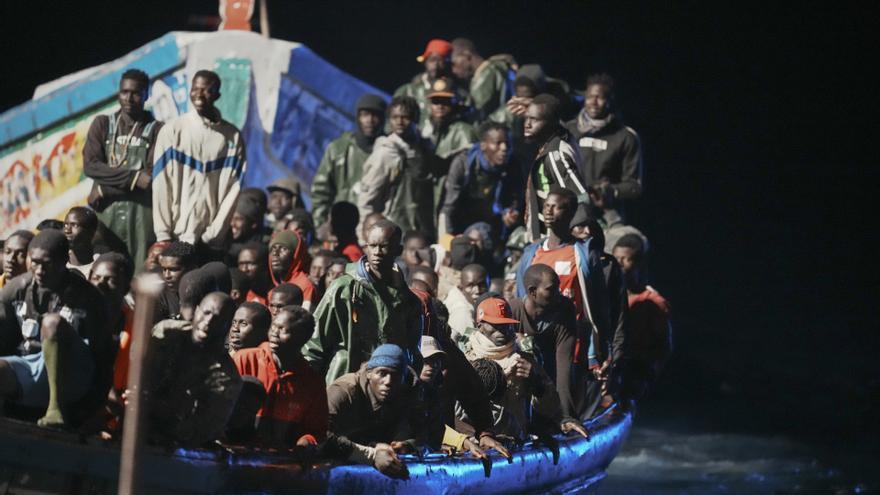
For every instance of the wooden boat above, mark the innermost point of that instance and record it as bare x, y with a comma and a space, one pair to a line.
35, 461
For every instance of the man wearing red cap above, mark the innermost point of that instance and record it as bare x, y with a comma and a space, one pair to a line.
437, 64
495, 339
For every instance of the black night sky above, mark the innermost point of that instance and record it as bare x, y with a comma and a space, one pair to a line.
761, 175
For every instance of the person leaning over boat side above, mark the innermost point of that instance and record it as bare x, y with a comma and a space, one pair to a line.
295, 409
650, 334
118, 157
555, 165
368, 306
398, 175
610, 153
57, 349
15, 251
548, 330
374, 406
192, 383
342, 165
287, 258
198, 162
437, 63
530, 402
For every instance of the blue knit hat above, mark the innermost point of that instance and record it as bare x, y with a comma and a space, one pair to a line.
388, 356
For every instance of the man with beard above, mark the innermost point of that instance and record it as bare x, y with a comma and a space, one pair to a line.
118, 157
369, 305
399, 174
56, 345
198, 163
490, 80
193, 383
342, 165
287, 253
15, 255
483, 185
610, 152
555, 165
437, 64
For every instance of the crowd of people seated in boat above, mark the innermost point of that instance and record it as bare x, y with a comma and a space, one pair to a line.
463, 281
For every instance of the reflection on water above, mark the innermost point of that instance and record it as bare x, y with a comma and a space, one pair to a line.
654, 461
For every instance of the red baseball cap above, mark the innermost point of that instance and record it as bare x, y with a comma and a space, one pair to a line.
438, 46
494, 310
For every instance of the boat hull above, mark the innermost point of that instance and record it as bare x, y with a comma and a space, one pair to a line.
43, 461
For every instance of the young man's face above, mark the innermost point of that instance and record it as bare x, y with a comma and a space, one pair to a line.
401, 120
280, 203
241, 226
410, 250
441, 111
494, 147
211, 320
203, 94
280, 257
172, 271
473, 284
48, 271
280, 299
432, 368
384, 382
536, 124
318, 269
625, 256
248, 263
131, 97
557, 213
242, 334
75, 230
436, 65
597, 101
546, 293
382, 247
499, 334
370, 123
108, 279
334, 271
15, 256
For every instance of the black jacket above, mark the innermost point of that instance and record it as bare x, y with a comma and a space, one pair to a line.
612, 153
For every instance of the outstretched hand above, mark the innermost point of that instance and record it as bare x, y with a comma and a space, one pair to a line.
569, 426
489, 442
388, 463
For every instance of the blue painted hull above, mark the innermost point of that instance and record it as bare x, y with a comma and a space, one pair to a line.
66, 460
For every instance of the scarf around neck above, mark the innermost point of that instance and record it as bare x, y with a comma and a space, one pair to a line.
585, 124
482, 347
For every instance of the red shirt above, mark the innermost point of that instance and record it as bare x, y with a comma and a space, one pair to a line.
353, 252
563, 261
296, 399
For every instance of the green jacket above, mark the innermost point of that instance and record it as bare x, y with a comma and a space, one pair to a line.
397, 178
340, 169
491, 87
356, 315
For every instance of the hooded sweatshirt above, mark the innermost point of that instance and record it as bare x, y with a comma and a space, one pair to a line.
295, 274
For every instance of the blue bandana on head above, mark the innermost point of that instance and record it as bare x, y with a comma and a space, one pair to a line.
388, 356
